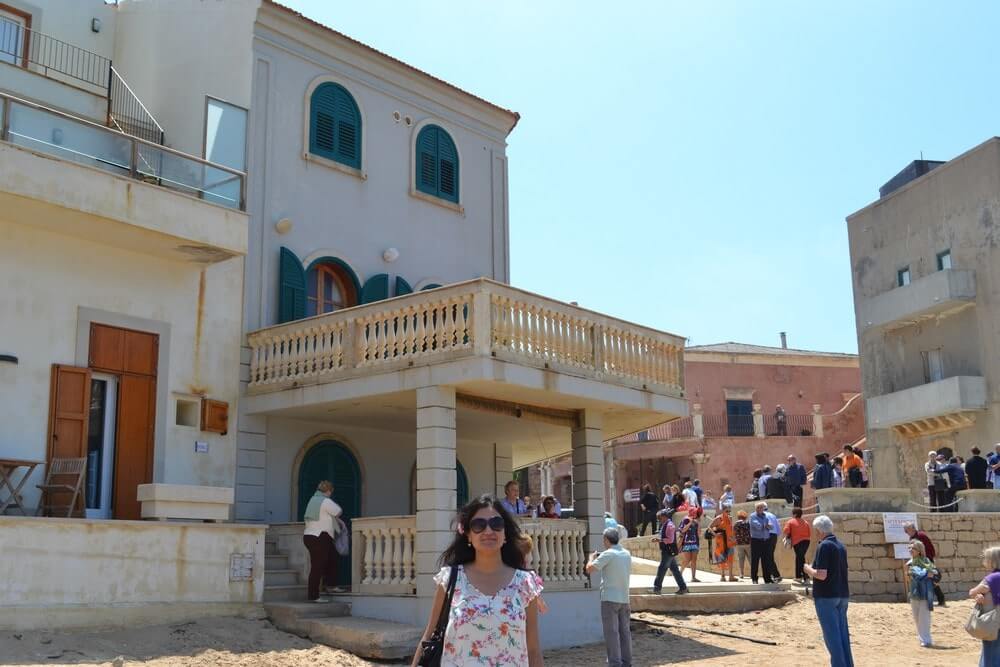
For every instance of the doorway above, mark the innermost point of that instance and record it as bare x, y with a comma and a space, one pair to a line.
739, 418
101, 445
332, 460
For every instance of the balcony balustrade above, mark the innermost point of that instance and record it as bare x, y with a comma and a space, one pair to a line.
476, 318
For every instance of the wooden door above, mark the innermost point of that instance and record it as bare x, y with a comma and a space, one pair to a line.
69, 412
134, 442
132, 356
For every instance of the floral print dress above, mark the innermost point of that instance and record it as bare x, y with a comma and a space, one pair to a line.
488, 629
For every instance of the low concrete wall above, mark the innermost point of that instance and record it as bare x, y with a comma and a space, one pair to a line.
90, 573
776, 506
848, 499
875, 576
979, 500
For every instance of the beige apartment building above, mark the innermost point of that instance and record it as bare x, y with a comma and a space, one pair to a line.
925, 265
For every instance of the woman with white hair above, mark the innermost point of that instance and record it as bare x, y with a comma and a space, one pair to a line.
990, 585
921, 595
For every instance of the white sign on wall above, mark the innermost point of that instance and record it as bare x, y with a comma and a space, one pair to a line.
892, 524
631, 495
901, 551
241, 567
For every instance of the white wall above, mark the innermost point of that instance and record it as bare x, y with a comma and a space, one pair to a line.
70, 22
64, 572
386, 459
173, 53
48, 278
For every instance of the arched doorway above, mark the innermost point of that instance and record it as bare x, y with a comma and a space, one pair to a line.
461, 486
332, 460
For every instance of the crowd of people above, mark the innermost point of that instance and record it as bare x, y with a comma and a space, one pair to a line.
948, 474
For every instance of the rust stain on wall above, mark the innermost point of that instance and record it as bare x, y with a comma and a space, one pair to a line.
196, 387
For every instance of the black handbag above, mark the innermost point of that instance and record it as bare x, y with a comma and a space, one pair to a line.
432, 648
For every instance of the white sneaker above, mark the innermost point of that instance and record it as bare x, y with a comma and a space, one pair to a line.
321, 601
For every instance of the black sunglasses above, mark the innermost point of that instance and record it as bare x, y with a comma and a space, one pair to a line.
494, 522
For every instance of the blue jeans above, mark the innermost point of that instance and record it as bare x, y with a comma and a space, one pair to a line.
832, 614
990, 656
668, 561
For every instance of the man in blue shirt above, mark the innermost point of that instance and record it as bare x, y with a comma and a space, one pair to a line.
762, 482
696, 487
774, 528
993, 461
831, 592
760, 533
511, 502
615, 564
795, 479
822, 473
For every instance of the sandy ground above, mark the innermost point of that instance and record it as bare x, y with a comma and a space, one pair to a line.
882, 634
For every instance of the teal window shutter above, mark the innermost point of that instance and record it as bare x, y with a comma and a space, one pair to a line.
335, 125
291, 287
402, 287
376, 288
437, 164
429, 286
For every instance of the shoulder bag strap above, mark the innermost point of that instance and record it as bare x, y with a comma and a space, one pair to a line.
442, 622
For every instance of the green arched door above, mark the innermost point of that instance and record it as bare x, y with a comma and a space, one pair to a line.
461, 486
331, 460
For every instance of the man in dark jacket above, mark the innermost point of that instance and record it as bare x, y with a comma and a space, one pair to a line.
975, 470
650, 505
795, 479
822, 473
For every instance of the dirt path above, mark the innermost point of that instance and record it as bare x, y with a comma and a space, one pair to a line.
882, 634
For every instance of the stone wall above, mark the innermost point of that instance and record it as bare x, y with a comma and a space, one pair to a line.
875, 576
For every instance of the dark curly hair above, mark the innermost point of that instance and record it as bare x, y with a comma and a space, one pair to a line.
460, 551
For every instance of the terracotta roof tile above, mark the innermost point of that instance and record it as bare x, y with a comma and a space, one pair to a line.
513, 114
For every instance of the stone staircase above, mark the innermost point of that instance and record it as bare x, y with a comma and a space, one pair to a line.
330, 623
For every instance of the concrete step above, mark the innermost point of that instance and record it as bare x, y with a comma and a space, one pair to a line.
697, 588
271, 548
276, 562
284, 593
711, 603
281, 577
365, 637
292, 616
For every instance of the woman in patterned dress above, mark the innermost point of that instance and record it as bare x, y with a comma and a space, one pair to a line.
493, 618
690, 542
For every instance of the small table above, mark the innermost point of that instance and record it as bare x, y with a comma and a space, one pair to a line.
7, 469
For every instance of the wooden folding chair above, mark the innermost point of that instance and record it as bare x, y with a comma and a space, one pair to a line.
63, 477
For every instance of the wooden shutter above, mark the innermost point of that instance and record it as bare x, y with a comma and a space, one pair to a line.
291, 287
134, 442
427, 176
402, 287
69, 412
335, 125
447, 167
376, 288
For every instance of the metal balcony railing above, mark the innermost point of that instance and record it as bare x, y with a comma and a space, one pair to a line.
74, 139
126, 113
24, 47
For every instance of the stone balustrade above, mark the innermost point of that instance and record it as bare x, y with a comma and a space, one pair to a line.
475, 318
559, 553
383, 555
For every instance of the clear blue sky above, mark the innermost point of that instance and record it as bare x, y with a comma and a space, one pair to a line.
689, 165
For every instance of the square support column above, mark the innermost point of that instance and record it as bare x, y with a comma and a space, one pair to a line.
588, 476
436, 481
503, 458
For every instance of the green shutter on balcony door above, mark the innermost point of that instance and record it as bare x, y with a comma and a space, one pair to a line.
376, 288
437, 164
402, 287
335, 125
291, 287
427, 176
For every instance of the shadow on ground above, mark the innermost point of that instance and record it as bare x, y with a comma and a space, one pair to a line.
650, 647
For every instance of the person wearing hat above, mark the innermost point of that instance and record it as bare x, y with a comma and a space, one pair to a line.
667, 539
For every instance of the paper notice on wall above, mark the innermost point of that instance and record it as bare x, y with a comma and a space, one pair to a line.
893, 522
901, 551
631, 495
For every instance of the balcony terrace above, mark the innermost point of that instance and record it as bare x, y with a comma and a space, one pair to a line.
935, 407
937, 295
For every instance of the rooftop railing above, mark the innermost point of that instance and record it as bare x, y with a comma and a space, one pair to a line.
23, 47
74, 139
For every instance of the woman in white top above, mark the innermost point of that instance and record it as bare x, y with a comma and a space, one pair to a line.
318, 538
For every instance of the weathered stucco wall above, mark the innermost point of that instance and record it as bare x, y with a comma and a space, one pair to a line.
50, 277
955, 207
120, 571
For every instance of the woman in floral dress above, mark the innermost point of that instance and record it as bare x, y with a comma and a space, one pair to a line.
493, 618
690, 542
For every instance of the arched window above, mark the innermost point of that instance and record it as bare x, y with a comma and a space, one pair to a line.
328, 288
437, 164
335, 125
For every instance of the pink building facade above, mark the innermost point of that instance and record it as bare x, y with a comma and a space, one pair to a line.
733, 391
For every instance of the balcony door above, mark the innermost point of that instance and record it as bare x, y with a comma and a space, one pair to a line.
14, 35
739, 417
